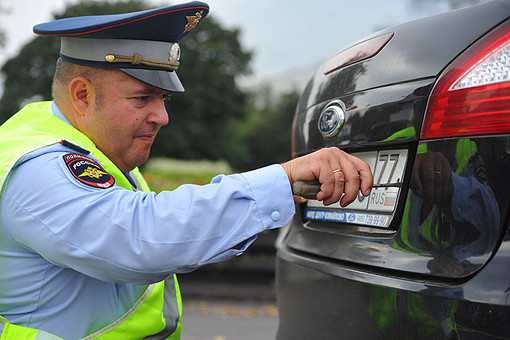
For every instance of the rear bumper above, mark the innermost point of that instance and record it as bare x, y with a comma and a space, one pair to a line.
318, 299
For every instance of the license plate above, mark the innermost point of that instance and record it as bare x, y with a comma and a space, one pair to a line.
377, 209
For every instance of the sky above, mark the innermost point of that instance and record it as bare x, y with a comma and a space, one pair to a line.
284, 35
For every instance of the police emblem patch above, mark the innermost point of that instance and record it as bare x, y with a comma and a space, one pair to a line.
88, 171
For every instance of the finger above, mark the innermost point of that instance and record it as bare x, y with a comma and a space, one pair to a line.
438, 186
446, 179
441, 173
365, 175
331, 191
346, 178
299, 199
427, 178
415, 184
351, 173
328, 163
338, 187
351, 185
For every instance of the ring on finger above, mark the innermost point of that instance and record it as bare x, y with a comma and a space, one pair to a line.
337, 170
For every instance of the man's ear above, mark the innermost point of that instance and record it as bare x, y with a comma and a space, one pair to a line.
82, 93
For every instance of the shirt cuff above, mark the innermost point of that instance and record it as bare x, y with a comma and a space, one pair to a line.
271, 189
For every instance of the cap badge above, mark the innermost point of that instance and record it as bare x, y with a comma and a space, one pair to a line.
174, 53
192, 21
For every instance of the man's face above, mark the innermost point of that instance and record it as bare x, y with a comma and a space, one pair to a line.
125, 118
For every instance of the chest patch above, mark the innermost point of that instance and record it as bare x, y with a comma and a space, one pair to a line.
88, 171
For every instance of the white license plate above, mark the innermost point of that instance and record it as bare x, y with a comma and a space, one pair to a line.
377, 209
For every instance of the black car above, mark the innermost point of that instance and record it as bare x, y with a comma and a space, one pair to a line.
427, 254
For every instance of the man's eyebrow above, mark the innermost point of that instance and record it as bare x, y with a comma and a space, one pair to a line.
153, 91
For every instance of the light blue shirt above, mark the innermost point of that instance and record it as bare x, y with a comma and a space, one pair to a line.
74, 258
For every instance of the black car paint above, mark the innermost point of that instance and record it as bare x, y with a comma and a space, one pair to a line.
420, 49
352, 282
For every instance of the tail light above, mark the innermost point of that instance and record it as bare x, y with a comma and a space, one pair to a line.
472, 96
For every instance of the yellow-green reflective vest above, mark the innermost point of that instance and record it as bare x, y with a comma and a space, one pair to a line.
159, 310
429, 228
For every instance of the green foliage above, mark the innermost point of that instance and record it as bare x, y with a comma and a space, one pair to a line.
267, 135
28, 76
205, 119
168, 174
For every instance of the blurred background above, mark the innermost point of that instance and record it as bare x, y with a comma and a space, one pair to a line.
243, 69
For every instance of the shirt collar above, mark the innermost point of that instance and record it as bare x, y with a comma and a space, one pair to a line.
54, 110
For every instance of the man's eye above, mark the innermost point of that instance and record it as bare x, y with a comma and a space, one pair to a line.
143, 98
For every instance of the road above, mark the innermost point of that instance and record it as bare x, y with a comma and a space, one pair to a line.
234, 299
229, 320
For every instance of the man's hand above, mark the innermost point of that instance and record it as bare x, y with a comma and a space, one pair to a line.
432, 181
338, 172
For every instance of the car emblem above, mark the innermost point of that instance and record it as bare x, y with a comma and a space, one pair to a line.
331, 119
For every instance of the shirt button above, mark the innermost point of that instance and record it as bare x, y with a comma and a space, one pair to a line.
275, 215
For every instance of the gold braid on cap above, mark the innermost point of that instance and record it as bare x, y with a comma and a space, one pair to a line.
137, 59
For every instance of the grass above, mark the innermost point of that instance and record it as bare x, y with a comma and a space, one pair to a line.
168, 174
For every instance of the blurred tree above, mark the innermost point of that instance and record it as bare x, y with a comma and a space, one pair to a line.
206, 118
267, 134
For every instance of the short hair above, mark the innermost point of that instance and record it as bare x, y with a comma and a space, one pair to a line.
65, 72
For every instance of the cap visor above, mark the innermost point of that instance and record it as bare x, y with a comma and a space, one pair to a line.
161, 79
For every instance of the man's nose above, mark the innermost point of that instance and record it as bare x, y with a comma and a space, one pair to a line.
159, 115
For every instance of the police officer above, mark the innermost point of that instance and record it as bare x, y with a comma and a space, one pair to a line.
86, 250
